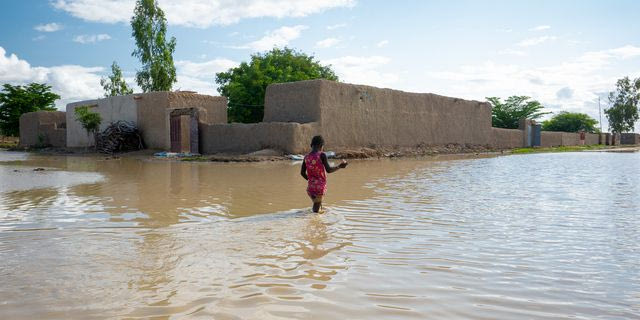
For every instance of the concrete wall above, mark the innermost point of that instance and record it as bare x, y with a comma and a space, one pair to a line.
507, 138
43, 128
630, 138
244, 138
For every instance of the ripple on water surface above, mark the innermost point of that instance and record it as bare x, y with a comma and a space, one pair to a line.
535, 236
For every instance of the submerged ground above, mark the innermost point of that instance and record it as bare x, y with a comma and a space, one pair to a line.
542, 236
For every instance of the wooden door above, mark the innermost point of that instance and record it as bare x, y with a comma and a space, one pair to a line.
175, 133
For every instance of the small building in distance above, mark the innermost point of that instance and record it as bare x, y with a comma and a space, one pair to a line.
166, 120
43, 129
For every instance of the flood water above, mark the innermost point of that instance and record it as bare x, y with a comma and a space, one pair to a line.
541, 236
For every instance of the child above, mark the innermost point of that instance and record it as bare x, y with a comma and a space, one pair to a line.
313, 170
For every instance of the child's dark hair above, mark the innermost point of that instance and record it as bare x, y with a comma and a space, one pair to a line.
317, 142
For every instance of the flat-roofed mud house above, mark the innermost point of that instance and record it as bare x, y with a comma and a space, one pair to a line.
167, 120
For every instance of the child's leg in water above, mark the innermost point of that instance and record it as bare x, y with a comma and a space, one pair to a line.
317, 203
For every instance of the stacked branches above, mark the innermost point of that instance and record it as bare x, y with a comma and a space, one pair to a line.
119, 136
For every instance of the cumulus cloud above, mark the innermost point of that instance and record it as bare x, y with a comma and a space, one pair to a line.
71, 82
276, 38
49, 27
382, 43
91, 38
536, 41
200, 76
363, 70
327, 43
572, 85
199, 13
540, 28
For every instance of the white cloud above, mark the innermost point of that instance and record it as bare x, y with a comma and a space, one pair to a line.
199, 13
573, 85
200, 76
512, 52
92, 38
49, 27
363, 70
540, 28
382, 43
39, 38
327, 43
336, 26
71, 82
276, 38
536, 41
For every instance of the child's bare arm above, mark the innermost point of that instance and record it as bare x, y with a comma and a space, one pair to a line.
303, 171
328, 167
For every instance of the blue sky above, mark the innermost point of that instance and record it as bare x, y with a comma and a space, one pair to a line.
563, 53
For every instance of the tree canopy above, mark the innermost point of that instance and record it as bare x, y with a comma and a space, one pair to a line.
17, 100
115, 85
149, 29
570, 122
625, 103
245, 85
507, 114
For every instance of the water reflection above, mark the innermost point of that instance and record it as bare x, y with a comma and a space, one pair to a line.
419, 239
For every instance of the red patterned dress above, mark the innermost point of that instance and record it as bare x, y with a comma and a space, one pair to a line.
316, 174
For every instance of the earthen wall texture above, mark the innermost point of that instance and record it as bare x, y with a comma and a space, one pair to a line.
293, 102
110, 109
362, 116
592, 138
43, 128
550, 139
630, 138
149, 111
248, 137
507, 138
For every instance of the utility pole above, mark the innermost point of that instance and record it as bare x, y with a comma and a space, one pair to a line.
600, 112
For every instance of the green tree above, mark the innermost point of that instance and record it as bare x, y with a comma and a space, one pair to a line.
17, 100
625, 103
115, 85
149, 29
507, 114
89, 120
245, 85
570, 122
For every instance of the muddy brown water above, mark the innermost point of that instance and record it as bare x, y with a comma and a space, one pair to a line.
541, 236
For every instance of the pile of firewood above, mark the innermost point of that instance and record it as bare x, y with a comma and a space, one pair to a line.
119, 136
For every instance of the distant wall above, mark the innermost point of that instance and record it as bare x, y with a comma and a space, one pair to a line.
507, 138
630, 138
592, 138
43, 128
248, 137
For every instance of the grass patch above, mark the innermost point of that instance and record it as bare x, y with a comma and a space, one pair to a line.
559, 149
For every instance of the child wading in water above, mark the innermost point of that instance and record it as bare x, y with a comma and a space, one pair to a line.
313, 170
